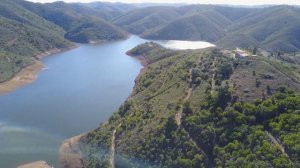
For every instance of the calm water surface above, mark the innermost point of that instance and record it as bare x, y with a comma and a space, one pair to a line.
183, 45
80, 89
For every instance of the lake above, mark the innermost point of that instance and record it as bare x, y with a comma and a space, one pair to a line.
183, 45
78, 90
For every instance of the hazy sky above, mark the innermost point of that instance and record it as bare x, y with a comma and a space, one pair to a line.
234, 2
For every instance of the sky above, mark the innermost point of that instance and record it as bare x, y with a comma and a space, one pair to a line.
231, 2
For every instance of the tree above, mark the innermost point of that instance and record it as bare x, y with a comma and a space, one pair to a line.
269, 90
257, 82
254, 51
225, 70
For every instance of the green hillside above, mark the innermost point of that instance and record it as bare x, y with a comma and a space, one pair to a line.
24, 35
189, 110
274, 29
143, 19
207, 27
110, 11
81, 23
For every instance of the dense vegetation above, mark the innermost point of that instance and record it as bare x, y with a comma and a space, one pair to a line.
28, 29
24, 35
143, 19
271, 28
217, 128
25, 30
192, 108
275, 29
81, 23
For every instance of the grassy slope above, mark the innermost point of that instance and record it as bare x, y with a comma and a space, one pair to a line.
216, 128
24, 35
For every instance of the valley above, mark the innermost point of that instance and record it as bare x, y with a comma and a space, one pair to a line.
149, 85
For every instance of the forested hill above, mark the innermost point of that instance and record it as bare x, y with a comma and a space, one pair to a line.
202, 108
82, 23
23, 35
272, 28
28, 29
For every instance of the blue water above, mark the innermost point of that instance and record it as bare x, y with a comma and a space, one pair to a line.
80, 89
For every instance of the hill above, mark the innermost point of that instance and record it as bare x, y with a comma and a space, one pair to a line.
143, 19
273, 29
203, 27
192, 22
110, 11
81, 23
24, 35
188, 109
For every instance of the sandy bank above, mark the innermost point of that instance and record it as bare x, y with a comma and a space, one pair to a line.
37, 164
70, 154
25, 76
28, 74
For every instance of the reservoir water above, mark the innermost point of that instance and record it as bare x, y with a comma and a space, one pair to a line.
183, 45
79, 89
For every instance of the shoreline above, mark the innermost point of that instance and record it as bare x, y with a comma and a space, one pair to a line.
26, 76
29, 73
69, 153
144, 62
36, 164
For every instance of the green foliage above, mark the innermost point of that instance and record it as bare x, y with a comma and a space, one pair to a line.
224, 70
276, 28
23, 35
141, 20
215, 130
83, 24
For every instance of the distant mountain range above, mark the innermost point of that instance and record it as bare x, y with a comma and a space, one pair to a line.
272, 28
28, 29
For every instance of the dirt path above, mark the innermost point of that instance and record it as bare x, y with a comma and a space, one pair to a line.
178, 115
11, 42
113, 145
277, 143
213, 82
112, 149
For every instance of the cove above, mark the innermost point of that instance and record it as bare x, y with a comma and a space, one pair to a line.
78, 90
